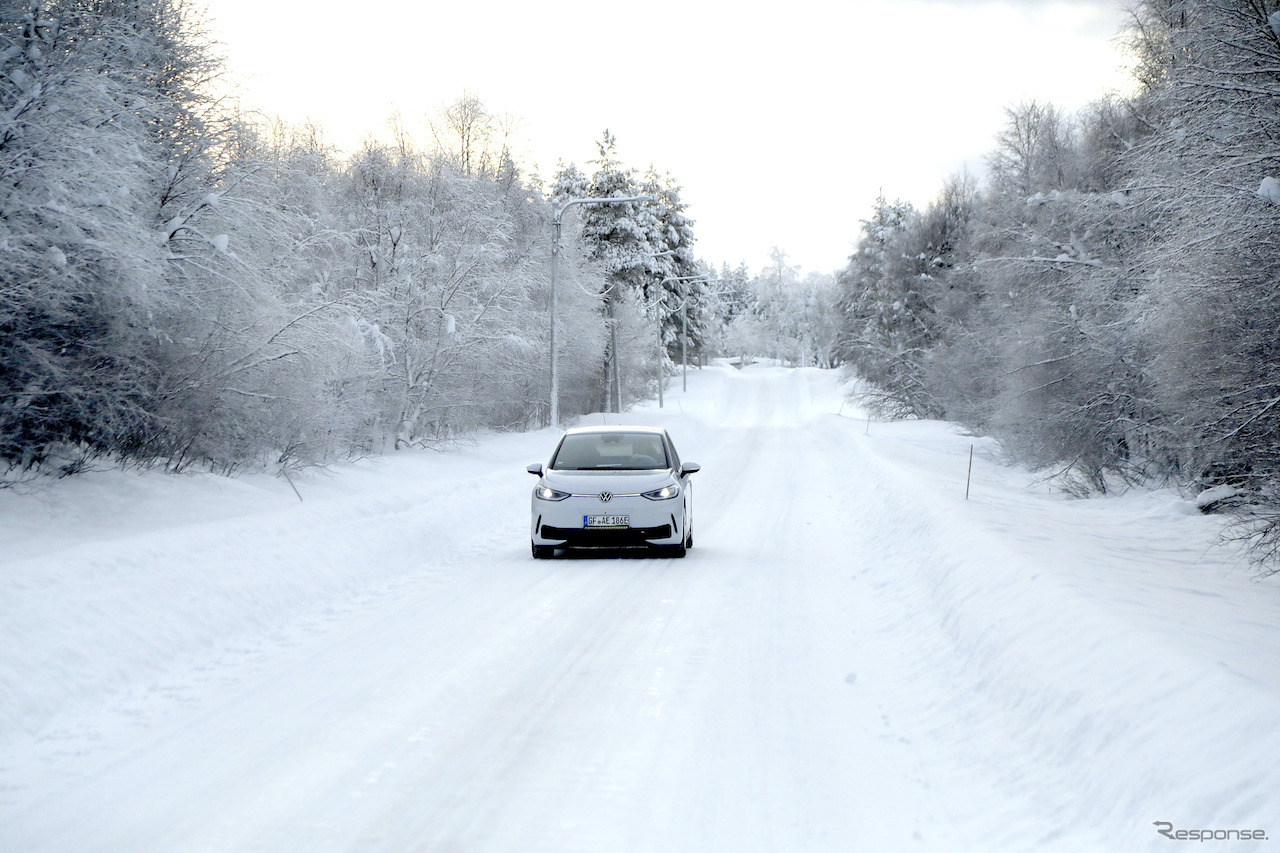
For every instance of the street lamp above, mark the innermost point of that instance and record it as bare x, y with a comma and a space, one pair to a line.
684, 332
555, 257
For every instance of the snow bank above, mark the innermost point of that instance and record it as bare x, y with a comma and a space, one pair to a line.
1269, 190
1112, 642
112, 578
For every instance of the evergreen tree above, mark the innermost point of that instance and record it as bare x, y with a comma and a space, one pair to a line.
618, 240
887, 303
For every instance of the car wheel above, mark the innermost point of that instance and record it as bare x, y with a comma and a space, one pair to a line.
543, 552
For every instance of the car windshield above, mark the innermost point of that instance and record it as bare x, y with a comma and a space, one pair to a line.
611, 451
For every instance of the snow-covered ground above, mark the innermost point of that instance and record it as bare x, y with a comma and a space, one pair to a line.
853, 656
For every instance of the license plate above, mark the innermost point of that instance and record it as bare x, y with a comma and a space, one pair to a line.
606, 520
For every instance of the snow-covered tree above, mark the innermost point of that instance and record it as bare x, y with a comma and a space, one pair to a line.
105, 155
1035, 151
449, 269
477, 141
1203, 178
676, 275
888, 305
620, 241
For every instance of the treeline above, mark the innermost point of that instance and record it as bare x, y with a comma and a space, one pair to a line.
779, 313
182, 284
1108, 303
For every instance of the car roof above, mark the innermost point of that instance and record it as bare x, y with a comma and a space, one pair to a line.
612, 428
608, 429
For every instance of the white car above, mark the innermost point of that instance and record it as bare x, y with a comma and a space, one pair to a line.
613, 487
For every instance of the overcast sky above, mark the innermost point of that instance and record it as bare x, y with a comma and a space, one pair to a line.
781, 122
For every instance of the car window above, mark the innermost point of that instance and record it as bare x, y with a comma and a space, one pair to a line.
610, 451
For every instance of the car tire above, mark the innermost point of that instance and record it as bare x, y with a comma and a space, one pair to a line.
543, 552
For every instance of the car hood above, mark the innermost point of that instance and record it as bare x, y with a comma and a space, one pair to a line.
618, 482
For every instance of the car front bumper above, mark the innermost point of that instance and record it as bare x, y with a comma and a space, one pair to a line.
563, 523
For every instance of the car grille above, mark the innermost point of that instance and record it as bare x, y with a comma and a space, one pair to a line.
605, 537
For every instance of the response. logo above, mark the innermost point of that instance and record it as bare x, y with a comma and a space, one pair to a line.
1163, 827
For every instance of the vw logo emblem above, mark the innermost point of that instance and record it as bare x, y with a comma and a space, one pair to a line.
605, 497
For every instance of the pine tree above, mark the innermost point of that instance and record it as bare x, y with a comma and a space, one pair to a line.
889, 321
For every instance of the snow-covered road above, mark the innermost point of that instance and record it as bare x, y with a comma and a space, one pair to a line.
853, 656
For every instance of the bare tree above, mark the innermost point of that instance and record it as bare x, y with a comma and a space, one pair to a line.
1034, 152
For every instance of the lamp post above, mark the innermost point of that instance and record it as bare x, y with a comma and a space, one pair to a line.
656, 306
555, 258
684, 331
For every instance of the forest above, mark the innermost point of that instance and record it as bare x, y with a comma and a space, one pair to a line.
1106, 301
188, 284
184, 283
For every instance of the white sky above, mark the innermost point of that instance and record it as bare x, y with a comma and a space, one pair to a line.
781, 122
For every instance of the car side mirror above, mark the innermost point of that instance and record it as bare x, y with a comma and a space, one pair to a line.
690, 468
535, 468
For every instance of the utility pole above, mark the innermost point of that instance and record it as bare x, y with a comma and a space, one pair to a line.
684, 328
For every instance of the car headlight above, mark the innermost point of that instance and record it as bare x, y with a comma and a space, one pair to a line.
546, 493
663, 494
